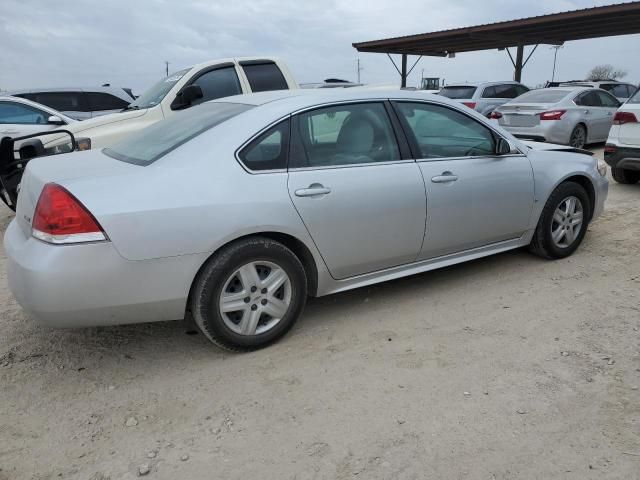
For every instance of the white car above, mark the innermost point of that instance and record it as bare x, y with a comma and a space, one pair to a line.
180, 90
19, 117
622, 151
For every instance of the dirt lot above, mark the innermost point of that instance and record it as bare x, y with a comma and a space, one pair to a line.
509, 367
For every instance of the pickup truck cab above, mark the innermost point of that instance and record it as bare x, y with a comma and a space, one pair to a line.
180, 90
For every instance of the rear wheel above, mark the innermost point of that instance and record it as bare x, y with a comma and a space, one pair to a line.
249, 294
622, 175
563, 222
578, 138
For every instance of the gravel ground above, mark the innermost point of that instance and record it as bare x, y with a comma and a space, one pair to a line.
508, 367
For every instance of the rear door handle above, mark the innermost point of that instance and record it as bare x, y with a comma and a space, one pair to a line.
313, 190
446, 177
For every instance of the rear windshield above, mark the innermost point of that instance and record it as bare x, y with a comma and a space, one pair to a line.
635, 98
542, 96
458, 92
148, 145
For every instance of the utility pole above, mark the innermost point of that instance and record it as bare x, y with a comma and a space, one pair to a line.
359, 69
555, 57
166, 67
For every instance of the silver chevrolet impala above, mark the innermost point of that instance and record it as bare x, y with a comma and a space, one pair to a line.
233, 212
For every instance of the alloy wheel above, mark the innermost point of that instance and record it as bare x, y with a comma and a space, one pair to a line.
578, 137
567, 222
255, 297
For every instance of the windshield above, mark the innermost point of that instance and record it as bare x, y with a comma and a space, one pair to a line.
636, 98
457, 92
148, 145
154, 95
544, 95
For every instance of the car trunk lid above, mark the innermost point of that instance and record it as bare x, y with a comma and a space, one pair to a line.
522, 115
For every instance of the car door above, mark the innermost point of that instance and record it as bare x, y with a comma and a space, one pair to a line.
474, 197
18, 119
596, 118
362, 201
609, 106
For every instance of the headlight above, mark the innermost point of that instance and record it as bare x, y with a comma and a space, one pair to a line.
602, 168
83, 144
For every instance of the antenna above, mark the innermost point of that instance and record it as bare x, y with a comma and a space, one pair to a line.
359, 69
166, 67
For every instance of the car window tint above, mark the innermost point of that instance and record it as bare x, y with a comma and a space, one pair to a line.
345, 135
489, 92
521, 90
589, 99
61, 101
442, 132
222, 82
17, 113
269, 151
105, 101
264, 77
506, 90
607, 100
148, 145
458, 92
631, 90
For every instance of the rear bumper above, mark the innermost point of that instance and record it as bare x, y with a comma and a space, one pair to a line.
91, 284
623, 157
546, 131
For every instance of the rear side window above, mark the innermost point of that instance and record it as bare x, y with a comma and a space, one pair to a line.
264, 77
458, 92
16, 113
222, 82
150, 144
589, 99
502, 91
105, 101
269, 151
607, 100
61, 101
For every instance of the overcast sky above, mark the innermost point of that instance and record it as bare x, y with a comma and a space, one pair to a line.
125, 42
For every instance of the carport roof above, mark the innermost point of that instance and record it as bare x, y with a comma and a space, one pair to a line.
554, 29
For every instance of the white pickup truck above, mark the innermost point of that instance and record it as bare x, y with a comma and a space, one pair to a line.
183, 89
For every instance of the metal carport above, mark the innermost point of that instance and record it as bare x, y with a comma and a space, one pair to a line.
554, 29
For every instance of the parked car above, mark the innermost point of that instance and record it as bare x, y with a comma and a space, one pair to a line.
622, 91
484, 97
574, 116
20, 117
80, 103
236, 210
180, 90
622, 151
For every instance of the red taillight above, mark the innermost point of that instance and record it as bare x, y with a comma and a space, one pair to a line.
495, 115
552, 115
620, 118
60, 218
610, 148
471, 105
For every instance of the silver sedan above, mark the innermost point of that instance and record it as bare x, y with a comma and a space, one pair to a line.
563, 115
235, 211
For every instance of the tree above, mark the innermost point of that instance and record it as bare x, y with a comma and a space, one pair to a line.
605, 72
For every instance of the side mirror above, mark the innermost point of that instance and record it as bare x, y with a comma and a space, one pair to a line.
55, 120
503, 147
187, 96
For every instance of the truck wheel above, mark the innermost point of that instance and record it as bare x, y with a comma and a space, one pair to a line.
622, 175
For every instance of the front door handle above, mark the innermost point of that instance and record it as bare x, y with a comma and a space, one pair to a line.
313, 190
446, 177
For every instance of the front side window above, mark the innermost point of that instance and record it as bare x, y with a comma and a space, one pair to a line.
16, 113
154, 95
148, 145
222, 82
442, 132
269, 151
344, 135
264, 77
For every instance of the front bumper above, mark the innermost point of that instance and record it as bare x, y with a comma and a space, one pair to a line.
623, 157
91, 284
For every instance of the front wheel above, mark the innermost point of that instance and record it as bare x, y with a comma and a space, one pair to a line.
249, 294
625, 176
563, 222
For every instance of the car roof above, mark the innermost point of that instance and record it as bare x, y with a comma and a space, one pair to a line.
481, 84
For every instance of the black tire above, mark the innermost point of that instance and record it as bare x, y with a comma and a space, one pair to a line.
211, 280
625, 176
542, 243
579, 132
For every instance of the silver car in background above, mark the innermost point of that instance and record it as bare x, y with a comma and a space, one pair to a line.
234, 211
574, 116
483, 97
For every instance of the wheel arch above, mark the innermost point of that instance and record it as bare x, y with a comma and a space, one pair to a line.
585, 182
296, 245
